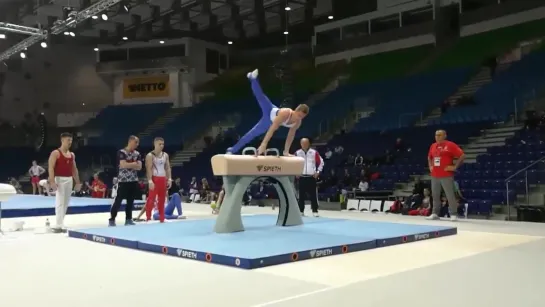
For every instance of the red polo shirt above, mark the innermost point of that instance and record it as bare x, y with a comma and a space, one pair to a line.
98, 185
443, 155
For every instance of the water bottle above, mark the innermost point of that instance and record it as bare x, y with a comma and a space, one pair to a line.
47, 224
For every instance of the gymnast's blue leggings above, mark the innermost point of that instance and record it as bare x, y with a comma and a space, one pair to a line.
263, 124
175, 202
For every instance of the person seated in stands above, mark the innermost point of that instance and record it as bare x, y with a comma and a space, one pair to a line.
98, 188
424, 207
358, 160
205, 192
397, 206
416, 196
363, 186
194, 195
328, 153
444, 212
175, 187
16, 185
216, 206
339, 150
260, 192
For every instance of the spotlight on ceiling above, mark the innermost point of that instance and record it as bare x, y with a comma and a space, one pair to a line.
2, 36
96, 49
230, 42
43, 44
125, 38
286, 32
104, 17
329, 17
66, 33
287, 8
95, 17
72, 34
23, 55
161, 42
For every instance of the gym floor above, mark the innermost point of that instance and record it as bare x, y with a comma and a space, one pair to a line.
489, 263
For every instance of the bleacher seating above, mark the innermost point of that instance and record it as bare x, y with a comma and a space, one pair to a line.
115, 123
499, 99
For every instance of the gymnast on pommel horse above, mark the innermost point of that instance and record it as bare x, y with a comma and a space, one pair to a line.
272, 118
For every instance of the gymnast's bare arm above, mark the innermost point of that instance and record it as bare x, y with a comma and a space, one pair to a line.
289, 138
51, 167
281, 117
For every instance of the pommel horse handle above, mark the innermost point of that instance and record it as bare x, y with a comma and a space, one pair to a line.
253, 151
249, 149
273, 150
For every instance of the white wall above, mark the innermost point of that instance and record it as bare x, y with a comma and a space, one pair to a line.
173, 95
70, 84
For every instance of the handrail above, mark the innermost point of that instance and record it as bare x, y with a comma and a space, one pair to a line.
525, 168
508, 203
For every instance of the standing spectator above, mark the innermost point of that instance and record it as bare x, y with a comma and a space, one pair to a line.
35, 172
130, 162
441, 163
307, 182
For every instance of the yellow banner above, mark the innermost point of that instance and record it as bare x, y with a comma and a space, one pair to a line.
146, 87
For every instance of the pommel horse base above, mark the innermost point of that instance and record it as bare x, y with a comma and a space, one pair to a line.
239, 171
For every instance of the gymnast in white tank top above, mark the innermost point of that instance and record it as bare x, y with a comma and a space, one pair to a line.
286, 123
159, 162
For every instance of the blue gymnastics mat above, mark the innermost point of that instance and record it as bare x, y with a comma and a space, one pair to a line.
263, 243
38, 205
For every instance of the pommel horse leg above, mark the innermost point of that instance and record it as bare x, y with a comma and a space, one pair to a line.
239, 171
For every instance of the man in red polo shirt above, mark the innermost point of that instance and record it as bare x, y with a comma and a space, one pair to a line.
442, 167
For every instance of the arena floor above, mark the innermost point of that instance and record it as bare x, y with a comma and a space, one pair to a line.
489, 263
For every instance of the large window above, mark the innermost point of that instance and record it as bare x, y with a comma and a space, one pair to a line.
143, 53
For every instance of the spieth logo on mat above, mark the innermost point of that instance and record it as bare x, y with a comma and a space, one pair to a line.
186, 254
269, 168
316, 253
99, 239
423, 236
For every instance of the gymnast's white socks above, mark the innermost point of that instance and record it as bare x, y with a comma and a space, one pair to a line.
253, 75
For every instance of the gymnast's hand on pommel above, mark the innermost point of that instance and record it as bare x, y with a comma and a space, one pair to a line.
261, 150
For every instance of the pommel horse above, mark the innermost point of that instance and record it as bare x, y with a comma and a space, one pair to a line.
239, 171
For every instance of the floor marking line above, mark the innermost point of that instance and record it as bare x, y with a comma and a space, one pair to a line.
304, 294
